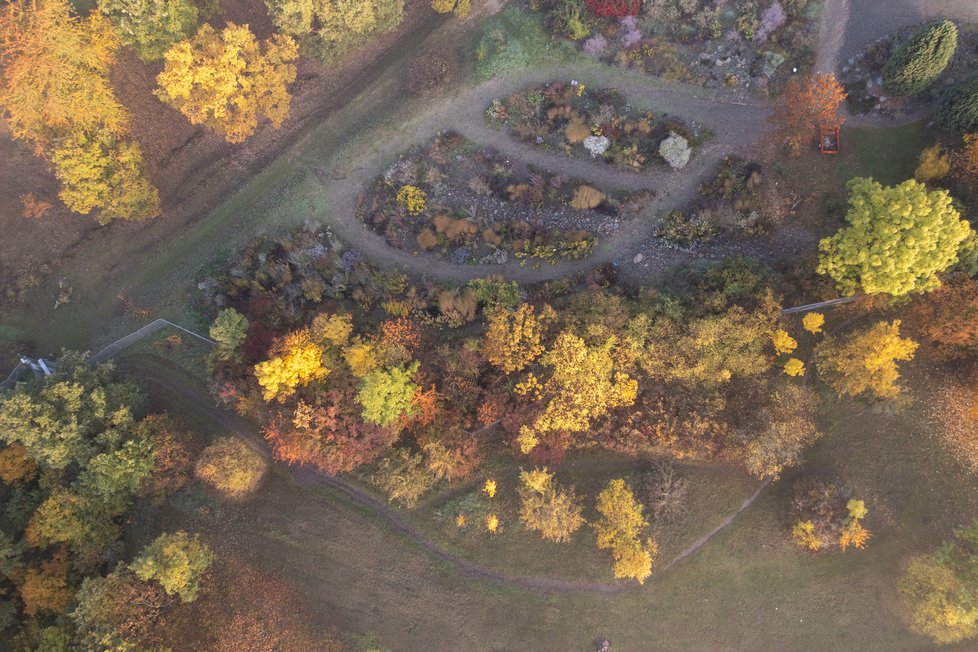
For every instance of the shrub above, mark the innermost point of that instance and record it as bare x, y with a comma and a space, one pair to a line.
544, 507
431, 71
177, 561
934, 164
231, 467
663, 492
675, 150
826, 516
958, 110
404, 477
918, 62
865, 361
150, 28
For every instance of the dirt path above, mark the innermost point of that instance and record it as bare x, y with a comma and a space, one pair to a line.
391, 516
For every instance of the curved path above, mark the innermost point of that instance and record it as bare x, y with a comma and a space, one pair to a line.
736, 125
391, 516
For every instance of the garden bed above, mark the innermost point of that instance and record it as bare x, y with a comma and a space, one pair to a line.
469, 205
597, 124
862, 75
751, 45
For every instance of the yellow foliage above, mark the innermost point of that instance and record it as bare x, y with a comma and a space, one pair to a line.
538, 480
514, 337
794, 367
231, 466
803, 533
460, 521
492, 523
866, 360
854, 535
489, 488
334, 329
527, 439
297, 360
813, 322
633, 561
16, 467
934, 165
362, 357
227, 80
783, 343
586, 198
619, 529
459, 7
412, 199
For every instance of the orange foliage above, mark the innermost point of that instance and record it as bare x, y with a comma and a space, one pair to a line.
854, 535
427, 406
46, 588
15, 466
33, 207
400, 332
806, 106
948, 316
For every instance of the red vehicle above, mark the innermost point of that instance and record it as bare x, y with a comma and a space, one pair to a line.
828, 140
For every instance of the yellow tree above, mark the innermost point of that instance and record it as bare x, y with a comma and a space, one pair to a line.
584, 385
866, 360
227, 80
458, 7
514, 338
619, 529
55, 71
100, 172
544, 507
295, 360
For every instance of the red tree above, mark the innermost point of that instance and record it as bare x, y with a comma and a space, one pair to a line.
614, 8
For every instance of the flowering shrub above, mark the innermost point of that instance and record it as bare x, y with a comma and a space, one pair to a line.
630, 34
675, 150
412, 199
772, 20
596, 45
597, 145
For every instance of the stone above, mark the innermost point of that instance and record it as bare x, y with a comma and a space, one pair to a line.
638, 258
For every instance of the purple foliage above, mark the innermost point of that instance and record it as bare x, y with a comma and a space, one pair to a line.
772, 20
630, 35
349, 258
595, 46
460, 256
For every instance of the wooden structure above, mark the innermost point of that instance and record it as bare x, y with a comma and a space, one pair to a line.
828, 140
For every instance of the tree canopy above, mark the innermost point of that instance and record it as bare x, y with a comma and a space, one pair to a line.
898, 240
177, 561
865, 360
919, 61
150, 27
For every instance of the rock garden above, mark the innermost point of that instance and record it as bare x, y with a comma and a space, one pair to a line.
598, 124
751, 45
469, 204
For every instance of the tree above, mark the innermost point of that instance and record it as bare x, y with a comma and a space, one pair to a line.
934, 164
229, 330
295, 360
555, 514
403, 476
948, 316
431, 71
56, 71
44, 591
806, 106
825, 517
16, 467
68, 518
329, 29
98, 171
865, 361
920, 60
583, 385
150, 27
898, 240
458, 7
231, 467
813, 322
388, 394
171, 456
940, 591
958, 110
111, 479
177, 562
227, 80
514, 338
775, 436
619, 529
118, 607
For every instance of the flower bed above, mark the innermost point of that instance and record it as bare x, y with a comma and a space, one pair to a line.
595, 124
748, 44
468, 205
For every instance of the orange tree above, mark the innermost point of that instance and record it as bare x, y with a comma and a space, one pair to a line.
807, 105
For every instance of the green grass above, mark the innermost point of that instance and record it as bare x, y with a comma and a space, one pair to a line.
888, 154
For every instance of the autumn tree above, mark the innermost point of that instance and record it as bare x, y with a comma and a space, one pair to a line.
43, 590
229, 330
865, 361
933, 165
111, 479
178, 562
917, 62
231, 467
939, 591
948, 316
329, 29
227, 80
806, 106
458, 7
898, 240
79, 522
583, 385
514, 338
294, 360
170, 446
118, 609
826, 516
150, 27
100, 172
544, 507
388, 394
56, 71
620, 528
16, 467
775, 436
403, 476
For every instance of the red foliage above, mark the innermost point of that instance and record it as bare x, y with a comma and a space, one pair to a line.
334, 437
258, 341
551, 450
400, 332
259, 305
614, 8
428, 406
948, 316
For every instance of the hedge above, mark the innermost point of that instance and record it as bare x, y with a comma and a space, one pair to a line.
919, 61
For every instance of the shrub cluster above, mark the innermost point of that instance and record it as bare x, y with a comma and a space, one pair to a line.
918, 62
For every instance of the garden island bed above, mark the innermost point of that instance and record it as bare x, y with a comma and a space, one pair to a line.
470, 205
751, 45
597, 124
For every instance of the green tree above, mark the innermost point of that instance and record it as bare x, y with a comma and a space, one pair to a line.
958, 110
388, 394
330, 29
177, 561
150, 27
920, 60
112, 478
865, 361
229, 330
98, 171
940, 591
74, 520
544, 507
897, 242
227, 80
